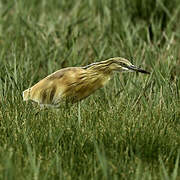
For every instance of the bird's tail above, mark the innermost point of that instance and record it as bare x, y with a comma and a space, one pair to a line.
26, 94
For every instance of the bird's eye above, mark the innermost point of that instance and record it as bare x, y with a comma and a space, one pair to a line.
123, 64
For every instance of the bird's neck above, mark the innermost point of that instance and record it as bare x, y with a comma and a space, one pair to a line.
102, 67
99, 78
99, 73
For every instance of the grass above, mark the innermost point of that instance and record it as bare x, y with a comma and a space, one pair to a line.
128, 130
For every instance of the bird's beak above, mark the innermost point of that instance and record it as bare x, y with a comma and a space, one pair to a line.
136, 69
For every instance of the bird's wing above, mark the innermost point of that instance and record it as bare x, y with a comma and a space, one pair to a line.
50, 89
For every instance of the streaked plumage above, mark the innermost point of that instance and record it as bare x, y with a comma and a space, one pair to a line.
75, 83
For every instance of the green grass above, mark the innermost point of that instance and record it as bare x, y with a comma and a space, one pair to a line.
128, 130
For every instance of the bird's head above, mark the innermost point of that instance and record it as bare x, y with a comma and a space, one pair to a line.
121, 64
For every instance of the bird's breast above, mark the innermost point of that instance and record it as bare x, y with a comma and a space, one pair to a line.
84, 87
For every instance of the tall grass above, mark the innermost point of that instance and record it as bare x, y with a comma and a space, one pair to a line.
127, 130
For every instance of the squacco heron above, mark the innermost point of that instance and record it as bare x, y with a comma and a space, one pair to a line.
76, 83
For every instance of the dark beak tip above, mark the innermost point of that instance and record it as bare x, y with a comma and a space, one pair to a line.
139, 70
145, 72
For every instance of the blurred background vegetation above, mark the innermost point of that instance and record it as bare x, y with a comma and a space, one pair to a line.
129, 129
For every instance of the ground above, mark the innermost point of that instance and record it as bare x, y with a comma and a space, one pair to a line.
128, 130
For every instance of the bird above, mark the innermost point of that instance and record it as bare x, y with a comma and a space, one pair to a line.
72, 84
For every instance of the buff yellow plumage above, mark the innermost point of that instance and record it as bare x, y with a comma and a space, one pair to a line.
76, 83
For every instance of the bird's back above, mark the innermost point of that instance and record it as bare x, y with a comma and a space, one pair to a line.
51, 89
74, 84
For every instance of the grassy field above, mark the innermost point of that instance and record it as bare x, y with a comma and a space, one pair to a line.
130, 129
